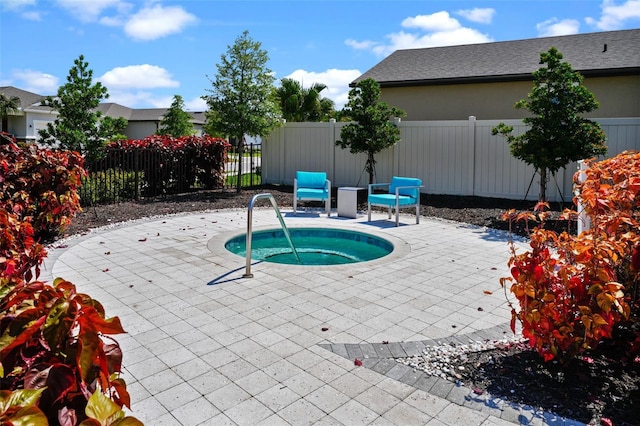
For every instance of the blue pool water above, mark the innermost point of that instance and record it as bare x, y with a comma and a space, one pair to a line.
315, 246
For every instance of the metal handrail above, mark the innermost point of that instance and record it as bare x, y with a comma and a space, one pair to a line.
287, 235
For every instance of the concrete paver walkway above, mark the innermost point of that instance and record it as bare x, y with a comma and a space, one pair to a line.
206, 346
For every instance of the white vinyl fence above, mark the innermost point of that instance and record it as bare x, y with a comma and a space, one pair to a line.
451, 157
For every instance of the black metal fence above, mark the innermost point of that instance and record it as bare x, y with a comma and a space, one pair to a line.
133, 174
251, 173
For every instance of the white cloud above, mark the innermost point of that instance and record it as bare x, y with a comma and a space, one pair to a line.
439, 21
614, 16
149, 99
35, 81
111, 21
19, 6
437, 29
157, 21
360, 45
555, 27
195, 104
479, 15
138, 99
32, 16
90, 10
16, 5
138, 77
337, 82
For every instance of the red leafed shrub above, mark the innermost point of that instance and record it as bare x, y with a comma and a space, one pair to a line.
575, 291
20, 254
58, 363
40, 186
171, 162
53, 340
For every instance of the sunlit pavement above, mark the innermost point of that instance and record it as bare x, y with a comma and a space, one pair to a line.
207, 346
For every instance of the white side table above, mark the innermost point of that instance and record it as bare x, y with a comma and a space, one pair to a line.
348, 201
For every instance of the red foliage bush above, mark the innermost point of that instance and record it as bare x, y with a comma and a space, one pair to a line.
574, 291
40, 186
58, 363
175, 162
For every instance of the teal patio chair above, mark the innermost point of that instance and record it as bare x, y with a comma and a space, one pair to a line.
312, 186
402, 192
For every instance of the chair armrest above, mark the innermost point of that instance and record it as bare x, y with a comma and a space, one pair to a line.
398, 188
377, 185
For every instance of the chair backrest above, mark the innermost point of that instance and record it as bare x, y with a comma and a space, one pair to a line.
316, 180
397, 181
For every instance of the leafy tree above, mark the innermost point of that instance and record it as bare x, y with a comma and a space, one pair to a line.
241, 101
176, 122
372, 131
341, 115
79, 126
557, 133
300, 104
8, 105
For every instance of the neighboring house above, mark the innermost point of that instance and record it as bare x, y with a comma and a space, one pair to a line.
32, 117
146, 121
23, 124
486, 80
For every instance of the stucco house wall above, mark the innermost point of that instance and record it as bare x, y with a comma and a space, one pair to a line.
618, 97
140, 129
487, 79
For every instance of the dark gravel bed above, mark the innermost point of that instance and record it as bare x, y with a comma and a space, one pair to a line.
471, 210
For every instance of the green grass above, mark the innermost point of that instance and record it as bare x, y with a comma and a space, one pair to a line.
246, 180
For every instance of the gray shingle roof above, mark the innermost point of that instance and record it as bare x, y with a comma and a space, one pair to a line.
156, 114
27, 99
602, 53
198, 117
147, 114
113, 110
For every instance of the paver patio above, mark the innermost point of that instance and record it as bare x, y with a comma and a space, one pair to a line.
206, 346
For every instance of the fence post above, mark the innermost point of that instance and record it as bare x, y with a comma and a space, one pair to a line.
283, 151
332, 144
472, 158
395, 161
584, 222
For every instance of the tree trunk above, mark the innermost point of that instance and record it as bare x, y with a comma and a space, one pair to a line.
371, 167
542, 195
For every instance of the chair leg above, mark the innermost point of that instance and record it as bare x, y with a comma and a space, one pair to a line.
369, 212
389, 211
397, 217
327, 204
417, 213
295, 205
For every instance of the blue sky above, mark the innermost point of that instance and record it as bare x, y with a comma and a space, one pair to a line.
145, 52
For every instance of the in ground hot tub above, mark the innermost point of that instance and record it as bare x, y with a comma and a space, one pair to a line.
315, 246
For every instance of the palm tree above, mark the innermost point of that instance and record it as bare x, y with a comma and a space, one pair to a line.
327, 109
300, 104
289, 98
7, 106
